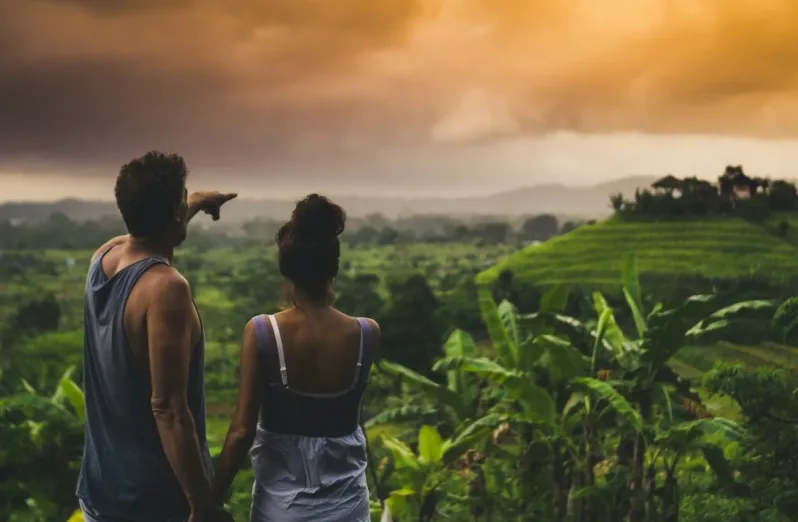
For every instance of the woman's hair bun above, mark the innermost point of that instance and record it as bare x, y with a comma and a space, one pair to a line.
316, 217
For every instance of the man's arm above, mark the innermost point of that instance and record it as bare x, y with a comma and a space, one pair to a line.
208, 202
193, 209
242, 429
170, 320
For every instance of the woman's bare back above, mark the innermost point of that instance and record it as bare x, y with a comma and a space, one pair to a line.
321, 349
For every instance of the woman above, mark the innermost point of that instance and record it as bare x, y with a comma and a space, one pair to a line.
303, 373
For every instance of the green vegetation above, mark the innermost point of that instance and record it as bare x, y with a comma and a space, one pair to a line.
734, 194
591, 256
521, 399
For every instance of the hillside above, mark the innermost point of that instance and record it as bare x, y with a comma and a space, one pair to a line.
593, 255
583, 202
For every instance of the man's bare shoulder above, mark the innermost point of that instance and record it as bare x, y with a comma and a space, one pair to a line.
118, 240
165, 286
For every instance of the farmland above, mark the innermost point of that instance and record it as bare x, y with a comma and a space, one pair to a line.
592, 255
435, 320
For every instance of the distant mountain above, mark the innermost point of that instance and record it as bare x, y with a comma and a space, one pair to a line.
76, 209
585, 202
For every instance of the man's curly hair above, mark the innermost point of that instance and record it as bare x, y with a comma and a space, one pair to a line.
149, 191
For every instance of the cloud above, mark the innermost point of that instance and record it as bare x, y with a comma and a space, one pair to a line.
245, 86
229, 83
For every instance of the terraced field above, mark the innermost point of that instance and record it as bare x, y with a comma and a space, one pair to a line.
594, 254
693, 361
773, 222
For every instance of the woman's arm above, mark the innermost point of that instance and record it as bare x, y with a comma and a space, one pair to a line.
242, 429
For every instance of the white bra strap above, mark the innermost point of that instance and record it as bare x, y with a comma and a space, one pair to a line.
279, 341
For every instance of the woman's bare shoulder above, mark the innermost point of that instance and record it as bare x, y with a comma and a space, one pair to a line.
375, 330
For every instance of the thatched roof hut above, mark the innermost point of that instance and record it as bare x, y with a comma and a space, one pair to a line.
668, 183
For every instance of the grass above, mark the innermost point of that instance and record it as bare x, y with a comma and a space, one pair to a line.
593, 255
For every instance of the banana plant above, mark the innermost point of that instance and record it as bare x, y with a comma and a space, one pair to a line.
707, 436
518, 356
641, 380
423, 475
595, 411
69, 391
642, 373
533, 372
457, 399
41, 429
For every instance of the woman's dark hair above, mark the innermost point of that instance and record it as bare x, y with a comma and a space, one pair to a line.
309, 248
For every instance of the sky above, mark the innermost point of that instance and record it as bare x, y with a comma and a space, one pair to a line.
426, 97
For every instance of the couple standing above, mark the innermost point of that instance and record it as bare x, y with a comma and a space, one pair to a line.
302, 375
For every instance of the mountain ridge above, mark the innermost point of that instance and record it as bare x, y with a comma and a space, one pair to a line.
556, 198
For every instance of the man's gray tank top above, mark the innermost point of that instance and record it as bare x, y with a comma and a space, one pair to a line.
125, 475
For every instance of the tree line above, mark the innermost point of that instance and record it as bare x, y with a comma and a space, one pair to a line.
60, 232
734, 193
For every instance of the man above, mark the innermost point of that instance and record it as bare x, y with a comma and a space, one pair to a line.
145, 456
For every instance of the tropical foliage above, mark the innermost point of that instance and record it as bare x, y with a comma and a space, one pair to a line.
563, 420
506, 402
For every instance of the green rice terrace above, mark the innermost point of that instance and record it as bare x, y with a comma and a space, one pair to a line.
592, 257
720, 247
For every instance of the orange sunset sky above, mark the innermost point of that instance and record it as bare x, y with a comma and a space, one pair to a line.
280, 97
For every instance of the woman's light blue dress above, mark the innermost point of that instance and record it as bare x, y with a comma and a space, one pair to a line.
301, 478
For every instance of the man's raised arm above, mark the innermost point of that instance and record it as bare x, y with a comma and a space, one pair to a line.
208, 202
170, 321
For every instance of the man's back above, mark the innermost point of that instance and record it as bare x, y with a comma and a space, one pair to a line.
126, 474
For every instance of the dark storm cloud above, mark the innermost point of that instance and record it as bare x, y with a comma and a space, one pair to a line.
244, 85
117, 7
85, 81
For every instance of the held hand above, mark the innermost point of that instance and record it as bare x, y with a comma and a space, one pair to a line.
196, 516
209, 202
211, 514
221, 515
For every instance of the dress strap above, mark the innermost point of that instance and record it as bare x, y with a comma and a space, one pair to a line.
261, 332
266, 348
280, 353
365, 345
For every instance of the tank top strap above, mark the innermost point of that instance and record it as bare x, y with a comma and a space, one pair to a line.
138, 268
99, 259
267, 349
124, 281
129, 275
